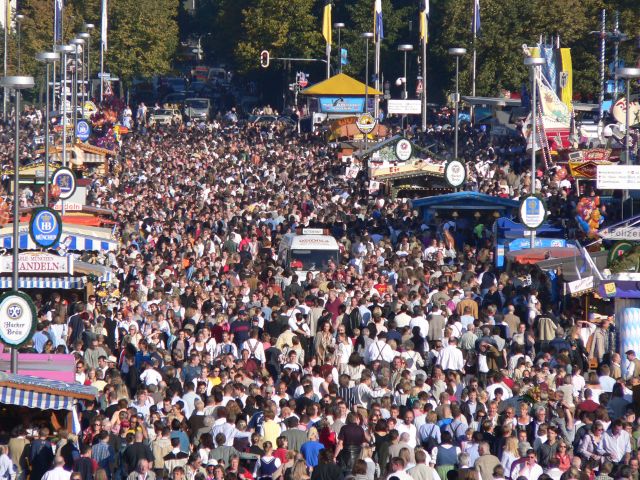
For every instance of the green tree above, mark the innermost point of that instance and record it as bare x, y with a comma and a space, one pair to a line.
143, 37
284, 27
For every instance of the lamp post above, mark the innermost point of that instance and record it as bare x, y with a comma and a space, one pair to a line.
17, 83
628, 73
339, 26
534, 63
457, 52
77, 44
89, 28
404, 48
367, 36
85, 37
19, 18
64, 50
48, 58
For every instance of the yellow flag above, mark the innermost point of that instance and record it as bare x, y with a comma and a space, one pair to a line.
326, 22
424, 21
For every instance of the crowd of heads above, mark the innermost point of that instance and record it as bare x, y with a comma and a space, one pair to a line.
409, 355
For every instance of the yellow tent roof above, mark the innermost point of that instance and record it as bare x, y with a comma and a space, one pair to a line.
339, 84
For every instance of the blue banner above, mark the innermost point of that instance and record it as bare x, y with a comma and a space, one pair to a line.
57, 21
341, 104
344, 60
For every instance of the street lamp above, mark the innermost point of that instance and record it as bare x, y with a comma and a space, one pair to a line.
89, 28
457, 52
48, 58
19, 19
85, 36
339, 26
534, 63
77, 44
64, 50
17, 83
628, 73
404, 48
367, 36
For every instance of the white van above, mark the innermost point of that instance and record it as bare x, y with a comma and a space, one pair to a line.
310, 252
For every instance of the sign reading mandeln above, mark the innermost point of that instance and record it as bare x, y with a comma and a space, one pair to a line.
32, 262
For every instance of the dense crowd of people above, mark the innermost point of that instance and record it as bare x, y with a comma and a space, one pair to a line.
411, 357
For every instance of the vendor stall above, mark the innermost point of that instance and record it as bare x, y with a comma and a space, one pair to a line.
24, 399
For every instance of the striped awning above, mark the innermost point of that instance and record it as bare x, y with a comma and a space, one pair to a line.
73, 242
62, 283
44, 394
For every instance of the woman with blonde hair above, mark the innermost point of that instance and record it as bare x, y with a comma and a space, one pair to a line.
373, 469
509, 454
299, 471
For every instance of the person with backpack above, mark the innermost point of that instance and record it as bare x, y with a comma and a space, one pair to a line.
254, 346
429, 432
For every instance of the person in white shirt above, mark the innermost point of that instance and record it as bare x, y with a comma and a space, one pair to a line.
529, 468
403, 318
57, 472
150, 376
409, 428
7, 470
419, 321
450, 357
254, 347
617, 442
363, 394
379, 350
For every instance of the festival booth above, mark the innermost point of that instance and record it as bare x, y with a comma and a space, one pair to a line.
342, 97
510, 236
465, 202
29, 399
394, 167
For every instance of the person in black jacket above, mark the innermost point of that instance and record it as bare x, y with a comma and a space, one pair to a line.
327, 469
41, 454
135, 452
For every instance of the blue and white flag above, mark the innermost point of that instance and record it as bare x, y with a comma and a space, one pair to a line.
57, 21
476, 18
379, 28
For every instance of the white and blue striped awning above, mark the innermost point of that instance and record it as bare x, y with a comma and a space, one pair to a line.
73, 242
62, 283
41, 393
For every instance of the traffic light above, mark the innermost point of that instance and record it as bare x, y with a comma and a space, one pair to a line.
264, 58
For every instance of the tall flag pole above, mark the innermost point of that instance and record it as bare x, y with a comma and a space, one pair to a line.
326, 32
424, 38
379, 35
103, 44
476, 32
7, 26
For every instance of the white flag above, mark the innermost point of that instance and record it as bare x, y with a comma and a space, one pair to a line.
103, 32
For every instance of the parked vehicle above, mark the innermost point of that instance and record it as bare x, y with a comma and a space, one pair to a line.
197, 108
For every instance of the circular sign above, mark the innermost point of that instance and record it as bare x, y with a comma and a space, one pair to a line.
17, 319
83, 130
404, 149
66, 180
45, 227
533, 211
366, 123
455, 173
